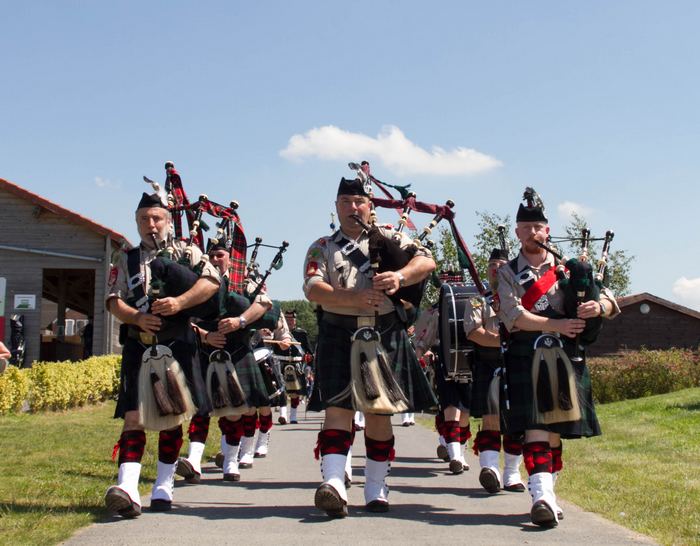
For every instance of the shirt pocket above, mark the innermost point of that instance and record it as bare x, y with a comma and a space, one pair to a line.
340, 271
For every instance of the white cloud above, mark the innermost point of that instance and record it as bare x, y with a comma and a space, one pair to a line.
688, 291
391, 147
106, 183
567, 209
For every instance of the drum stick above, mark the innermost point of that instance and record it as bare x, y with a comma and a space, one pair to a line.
275, 342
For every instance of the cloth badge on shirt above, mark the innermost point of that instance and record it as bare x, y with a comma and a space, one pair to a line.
542, 303
476, 303
113, 274
314, 254
311, 269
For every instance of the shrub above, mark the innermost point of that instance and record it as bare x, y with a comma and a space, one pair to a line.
60, 385
643, 373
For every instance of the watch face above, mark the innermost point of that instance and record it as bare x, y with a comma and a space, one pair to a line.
644, 308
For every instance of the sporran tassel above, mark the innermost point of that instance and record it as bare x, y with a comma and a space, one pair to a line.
368, 382
545, 400
234, 390
160, 394
393, 389
565, 402
218, 395
175, 393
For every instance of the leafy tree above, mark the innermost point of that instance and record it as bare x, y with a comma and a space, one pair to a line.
306, 316
445, 256
617, 272
488, 238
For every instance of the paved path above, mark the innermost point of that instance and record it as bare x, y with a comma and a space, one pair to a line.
273, 504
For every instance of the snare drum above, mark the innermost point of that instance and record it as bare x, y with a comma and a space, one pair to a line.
456, 351
269, 367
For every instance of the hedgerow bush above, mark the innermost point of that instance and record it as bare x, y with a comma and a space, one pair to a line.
60, 385
643, 373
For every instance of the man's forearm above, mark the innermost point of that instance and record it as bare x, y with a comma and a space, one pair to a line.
324, 294
125, 313
202, 290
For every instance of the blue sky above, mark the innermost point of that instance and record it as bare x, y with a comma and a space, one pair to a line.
594, 104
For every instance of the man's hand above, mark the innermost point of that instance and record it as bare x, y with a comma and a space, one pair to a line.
4, 351
388, 282
368, 299
166, 307
228, 325
588, 309
148, 323
570, 327
284, 345
215, 339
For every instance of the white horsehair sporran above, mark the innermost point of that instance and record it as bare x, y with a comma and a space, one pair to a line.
223, 387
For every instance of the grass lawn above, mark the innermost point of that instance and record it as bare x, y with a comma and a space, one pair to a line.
55, 469
644, 472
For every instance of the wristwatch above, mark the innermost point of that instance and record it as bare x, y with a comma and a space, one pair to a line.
242, 321
602, 308
402, 279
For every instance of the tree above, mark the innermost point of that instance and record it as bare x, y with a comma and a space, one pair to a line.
306, 316
617, 272
445, 256
488, 238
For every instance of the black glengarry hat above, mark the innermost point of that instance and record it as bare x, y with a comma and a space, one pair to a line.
150, 201
352, 187
533, 210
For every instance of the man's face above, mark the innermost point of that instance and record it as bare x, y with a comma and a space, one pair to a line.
291, 321
529, 232
347, 205
154, 220
220, 260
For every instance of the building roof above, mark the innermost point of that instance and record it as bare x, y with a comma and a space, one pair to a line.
62, 211
626, 301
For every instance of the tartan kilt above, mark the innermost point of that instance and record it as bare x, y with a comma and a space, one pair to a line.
452, 393
520, 416
332, 367
485, 364
249, 373
184, 351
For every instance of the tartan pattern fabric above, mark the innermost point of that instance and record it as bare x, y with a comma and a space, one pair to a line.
294, 401
198, 429
483, 374
513, 445
234, 431
464, 434
380, 450
451, 393
249, 373
333, 441
440, 423
265, 423
520, 416
557, 462
487, 440
249, 422
169, 444
184, 351
131, 446
238, 262
333, 367
451, 429
538, 457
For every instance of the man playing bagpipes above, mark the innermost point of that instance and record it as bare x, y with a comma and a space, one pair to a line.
235, 384
364, 360
293, 353
160, 348
482, 327
549, 394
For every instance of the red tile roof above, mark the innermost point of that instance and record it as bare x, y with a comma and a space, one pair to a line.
62, 211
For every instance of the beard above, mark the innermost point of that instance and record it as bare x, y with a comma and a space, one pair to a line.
161, 237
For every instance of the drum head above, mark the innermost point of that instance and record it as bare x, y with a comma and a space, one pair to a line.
261, 354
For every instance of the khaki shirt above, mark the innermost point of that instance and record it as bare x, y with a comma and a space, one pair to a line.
326, 263
118, 283
511, 291
282, 332
478, 314
426, 330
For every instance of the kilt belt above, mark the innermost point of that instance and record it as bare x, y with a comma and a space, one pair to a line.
352, 322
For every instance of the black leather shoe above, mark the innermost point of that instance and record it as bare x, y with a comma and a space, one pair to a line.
489, 480
330, 501
119, 502
541, 514
377, 506
161, 505
186, 470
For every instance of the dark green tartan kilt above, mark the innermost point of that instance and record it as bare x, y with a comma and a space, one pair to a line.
184, 351
247, 369
452, 393
332, 367
485, 364
519, 417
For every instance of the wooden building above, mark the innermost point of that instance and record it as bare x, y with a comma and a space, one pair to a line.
54, 258
651, 322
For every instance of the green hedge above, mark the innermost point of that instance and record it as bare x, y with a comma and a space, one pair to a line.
59, 385
643, 373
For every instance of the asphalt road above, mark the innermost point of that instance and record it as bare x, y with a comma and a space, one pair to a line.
273, 504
